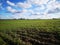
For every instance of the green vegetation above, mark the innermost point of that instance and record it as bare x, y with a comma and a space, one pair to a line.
30, 32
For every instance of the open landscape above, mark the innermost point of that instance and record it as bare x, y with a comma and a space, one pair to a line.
29, 22
30, 32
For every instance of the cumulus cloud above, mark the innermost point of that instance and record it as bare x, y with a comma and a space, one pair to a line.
43, 6
36, 7
57, 10
10, 9
24, 5
38, 2
10, 3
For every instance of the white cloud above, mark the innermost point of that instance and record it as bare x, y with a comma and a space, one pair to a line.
24, 5
51, 5
24, 10
35, 8
20, 4
44, 5
10, 3
38, 2
48, 16
10, 9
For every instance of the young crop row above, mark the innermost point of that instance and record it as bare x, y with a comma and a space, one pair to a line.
29, 32
29, 37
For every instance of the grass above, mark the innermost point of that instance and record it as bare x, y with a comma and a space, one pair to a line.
39, 24
23, 32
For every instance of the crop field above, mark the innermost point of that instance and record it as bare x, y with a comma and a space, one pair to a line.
30, 32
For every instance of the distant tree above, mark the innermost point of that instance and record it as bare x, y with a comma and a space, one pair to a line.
56, 18
21, 18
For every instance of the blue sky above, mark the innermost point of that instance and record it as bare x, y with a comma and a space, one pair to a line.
29, 9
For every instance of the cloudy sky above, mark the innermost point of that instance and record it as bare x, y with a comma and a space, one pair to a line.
29, 9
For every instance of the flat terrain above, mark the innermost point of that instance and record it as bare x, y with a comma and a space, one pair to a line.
30, 32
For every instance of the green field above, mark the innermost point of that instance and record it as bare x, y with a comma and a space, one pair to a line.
30, 32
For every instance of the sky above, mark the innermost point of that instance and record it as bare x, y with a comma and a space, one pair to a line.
29, 9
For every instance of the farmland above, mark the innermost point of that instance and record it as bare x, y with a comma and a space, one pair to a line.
30, 32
